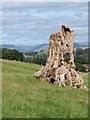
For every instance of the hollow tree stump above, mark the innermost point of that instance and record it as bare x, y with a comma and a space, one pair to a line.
57, 71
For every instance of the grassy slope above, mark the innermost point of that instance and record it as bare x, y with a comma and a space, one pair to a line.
25, 96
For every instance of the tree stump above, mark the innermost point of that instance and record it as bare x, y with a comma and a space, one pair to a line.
57, 71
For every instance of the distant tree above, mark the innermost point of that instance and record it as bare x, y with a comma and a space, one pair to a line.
0, 53
31, 53
12, 54
67, 58
82, 60
79, 51
36, 60
29, 60
80, 67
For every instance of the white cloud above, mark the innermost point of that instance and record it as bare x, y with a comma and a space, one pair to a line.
46, 1
40, 16
35, 22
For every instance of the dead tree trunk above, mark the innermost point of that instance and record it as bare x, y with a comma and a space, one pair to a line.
57, 70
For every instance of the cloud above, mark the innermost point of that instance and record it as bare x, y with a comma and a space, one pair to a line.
39, 16
62, 6
27, 23
46, 1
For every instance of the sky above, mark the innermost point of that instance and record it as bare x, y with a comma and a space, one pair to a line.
32, 23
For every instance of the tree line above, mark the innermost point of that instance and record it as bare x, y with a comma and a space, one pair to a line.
81, 57
12, 54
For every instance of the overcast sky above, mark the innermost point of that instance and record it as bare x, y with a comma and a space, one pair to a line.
32, 23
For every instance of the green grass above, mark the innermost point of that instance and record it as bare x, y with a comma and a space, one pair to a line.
24, 96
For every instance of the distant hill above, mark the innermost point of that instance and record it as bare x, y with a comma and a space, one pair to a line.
20, 48
8, 46
40, 47
29, 48
80, 44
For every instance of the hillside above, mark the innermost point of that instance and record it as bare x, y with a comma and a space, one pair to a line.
26, 97
38, 47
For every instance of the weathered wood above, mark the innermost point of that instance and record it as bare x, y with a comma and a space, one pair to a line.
57, 70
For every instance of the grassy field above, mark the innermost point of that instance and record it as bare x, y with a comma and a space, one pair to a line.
26, 97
